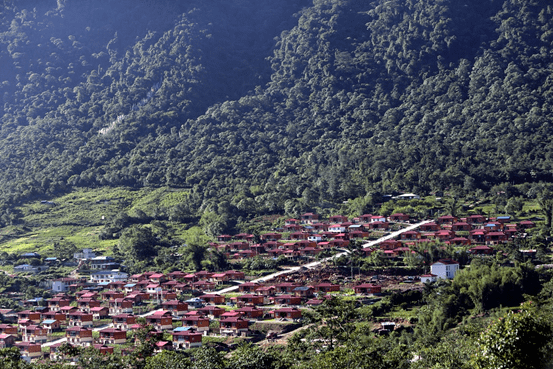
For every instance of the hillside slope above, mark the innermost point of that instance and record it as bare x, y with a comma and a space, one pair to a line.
353, 98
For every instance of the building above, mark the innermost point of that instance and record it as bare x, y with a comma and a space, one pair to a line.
445, 268
186, 339
112, 336
108, 276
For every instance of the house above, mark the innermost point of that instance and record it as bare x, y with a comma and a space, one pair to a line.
103, 263
461, 226
446, 219
475, 219
103, 349
8, 329
410, 235
285, 287
34, 333
377, 218
248, 287
428, 278
235, 275
429, 227
337, 219
407, 196
478, 235
199, 323
378, 225
99, 312
29, 350
389, 244
481, 250
445, 268
309, 218
176, 275
444, 235
266, 291
7, 340
304, 291
234, 326
85, 304
270, 237
32, 316
224, 238
8, 315
315, 238
338, 228
51, 325
85, 254
80, 319
56, 303
62, 284
367, 288
287, 313
399, 217
326, 287
204, 285
211, 311
220, 278
161, 320
526, 224
158, 278
111, 295
161, 346
79, 336
123, 321
178, 308
459, 241
112, 336
108, 276
186, 339
121, 306
493, 238
249, 299
212, 298
287, 300
250, 312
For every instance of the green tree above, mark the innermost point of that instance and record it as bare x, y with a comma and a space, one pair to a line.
168, 359
249, 356
520, 340
207, 358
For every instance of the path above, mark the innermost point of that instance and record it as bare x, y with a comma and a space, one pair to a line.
318, 263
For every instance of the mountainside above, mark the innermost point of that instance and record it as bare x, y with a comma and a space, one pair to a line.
261, 106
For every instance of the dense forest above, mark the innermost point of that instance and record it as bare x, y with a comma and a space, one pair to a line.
259, 106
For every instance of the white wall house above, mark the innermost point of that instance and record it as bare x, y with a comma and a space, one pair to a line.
108, 276
444, 268
428, 278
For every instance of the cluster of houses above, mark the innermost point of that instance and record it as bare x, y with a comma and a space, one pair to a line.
309, 235
111, 308
306, 237
476, 232
109, 301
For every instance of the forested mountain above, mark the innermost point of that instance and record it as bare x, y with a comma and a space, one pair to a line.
263, 106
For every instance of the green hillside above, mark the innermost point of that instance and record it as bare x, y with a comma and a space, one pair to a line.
260, 107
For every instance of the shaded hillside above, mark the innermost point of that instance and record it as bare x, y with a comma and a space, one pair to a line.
355, 98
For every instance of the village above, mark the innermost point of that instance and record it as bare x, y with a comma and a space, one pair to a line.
101, 309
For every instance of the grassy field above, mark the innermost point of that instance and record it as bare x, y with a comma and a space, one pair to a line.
80, 216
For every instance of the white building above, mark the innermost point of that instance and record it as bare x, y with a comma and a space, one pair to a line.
85, 254
337, 228
428, 278
445, 268
407, 196
108, 276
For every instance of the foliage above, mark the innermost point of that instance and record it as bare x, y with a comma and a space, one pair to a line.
519, 340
